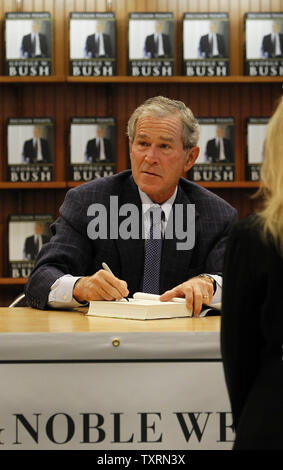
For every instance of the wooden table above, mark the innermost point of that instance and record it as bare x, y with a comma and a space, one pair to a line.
24, 319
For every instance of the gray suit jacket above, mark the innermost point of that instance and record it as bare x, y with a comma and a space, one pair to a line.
71, 251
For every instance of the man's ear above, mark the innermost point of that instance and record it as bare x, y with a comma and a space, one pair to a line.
192, 155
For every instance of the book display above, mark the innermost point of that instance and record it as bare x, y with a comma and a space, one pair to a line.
92, 148
27, 234
65, 90
264, 44
30, 149
216, 159
205, 44
92, 44
28, 44
151, 49
256, 128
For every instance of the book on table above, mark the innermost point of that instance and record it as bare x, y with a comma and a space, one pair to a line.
142, 306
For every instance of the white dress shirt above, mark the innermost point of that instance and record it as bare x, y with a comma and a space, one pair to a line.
213, 38
101, 149
39, 156
277, 43
160, 50
221, 149
61, 292
37, 43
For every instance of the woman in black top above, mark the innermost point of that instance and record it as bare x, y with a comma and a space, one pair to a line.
252, 308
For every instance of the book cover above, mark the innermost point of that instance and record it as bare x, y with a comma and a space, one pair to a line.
151, 44
263, 51
28, 44
92, 147
92, 44
216, 158
255, 136
205, 44
26, 235
30, 149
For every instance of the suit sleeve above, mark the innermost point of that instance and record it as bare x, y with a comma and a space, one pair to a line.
68, 252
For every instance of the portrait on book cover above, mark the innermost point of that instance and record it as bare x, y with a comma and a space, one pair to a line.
92, 143
255, 142
28, 39
150, 39
264, 38
26, 238
92, 39
216, 143
30, 144
205, 39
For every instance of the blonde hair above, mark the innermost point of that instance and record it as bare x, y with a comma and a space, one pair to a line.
160, 106
271, 180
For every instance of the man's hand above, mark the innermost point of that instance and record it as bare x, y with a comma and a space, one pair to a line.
197, 291
100, 286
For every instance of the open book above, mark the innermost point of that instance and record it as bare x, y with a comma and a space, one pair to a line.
141, 307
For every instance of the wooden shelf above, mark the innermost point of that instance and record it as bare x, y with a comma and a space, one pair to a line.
42, 185
28, 79
10, 281
73, 184
229, 184
174, 79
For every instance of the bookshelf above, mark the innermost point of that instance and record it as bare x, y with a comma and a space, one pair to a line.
61, 97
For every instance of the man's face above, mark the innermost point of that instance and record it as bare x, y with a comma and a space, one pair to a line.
99, 132
99, 27
219, 132
158, 28
213, 27
38, 229
157, 156
275, 27
35, 27
36, 133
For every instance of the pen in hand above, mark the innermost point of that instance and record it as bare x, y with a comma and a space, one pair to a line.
106, 268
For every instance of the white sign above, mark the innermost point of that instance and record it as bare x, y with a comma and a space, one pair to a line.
142, 394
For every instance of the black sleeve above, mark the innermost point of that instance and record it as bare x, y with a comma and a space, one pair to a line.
240, 332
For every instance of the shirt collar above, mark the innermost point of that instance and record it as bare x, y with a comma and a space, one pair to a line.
166, 206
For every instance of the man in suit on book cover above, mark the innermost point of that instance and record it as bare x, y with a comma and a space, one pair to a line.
212, 44
99, 43
34, 243
219, 149
34, 44
272, 44
99, 149
111, 220
36, 150
158, 43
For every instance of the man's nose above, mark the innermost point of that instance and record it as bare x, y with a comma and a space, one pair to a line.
151, 154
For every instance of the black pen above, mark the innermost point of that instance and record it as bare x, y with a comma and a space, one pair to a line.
106, 268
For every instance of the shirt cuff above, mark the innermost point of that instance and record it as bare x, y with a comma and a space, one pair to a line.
61, 293
218, 291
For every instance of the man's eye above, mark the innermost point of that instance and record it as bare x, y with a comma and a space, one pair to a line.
164, 146
142, 144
